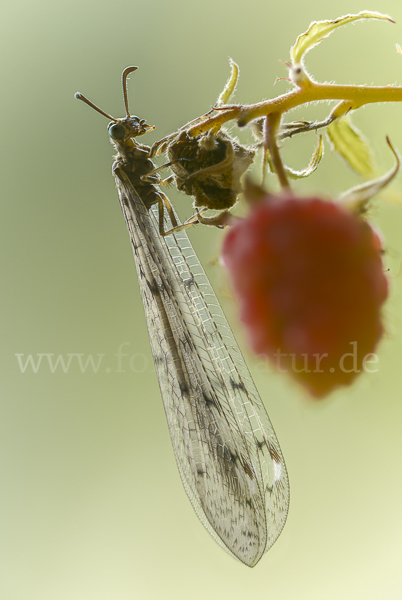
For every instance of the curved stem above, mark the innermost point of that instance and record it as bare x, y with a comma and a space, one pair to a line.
356, 95
272, 124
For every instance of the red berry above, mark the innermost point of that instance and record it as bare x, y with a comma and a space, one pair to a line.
311, 283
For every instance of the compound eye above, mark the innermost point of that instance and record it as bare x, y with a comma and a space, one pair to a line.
117, 132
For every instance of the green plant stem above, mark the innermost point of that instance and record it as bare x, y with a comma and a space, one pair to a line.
357, 95
271, 133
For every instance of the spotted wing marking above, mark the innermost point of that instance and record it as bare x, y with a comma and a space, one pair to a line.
226, 450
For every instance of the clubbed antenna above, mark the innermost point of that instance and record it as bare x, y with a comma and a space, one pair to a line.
124, 76
79, 96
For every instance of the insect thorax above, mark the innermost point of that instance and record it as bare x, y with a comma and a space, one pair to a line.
134, 161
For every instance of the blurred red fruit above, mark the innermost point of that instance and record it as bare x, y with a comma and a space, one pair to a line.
311, 283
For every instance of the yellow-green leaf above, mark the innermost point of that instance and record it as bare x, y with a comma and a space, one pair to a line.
313, 164
356, 199
318, 30
230, 84
347, 141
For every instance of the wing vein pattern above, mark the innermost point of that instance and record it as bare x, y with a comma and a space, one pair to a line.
225, 447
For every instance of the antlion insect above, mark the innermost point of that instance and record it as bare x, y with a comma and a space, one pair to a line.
225, 447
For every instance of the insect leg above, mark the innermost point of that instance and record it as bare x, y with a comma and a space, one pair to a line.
148, 178
160, 146
221, 220
164, 203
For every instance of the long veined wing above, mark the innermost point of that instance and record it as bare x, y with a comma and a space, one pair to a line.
226, 449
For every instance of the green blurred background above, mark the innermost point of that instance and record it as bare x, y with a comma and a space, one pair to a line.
91, 504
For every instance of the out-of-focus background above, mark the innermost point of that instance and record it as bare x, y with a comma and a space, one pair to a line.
91, 503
